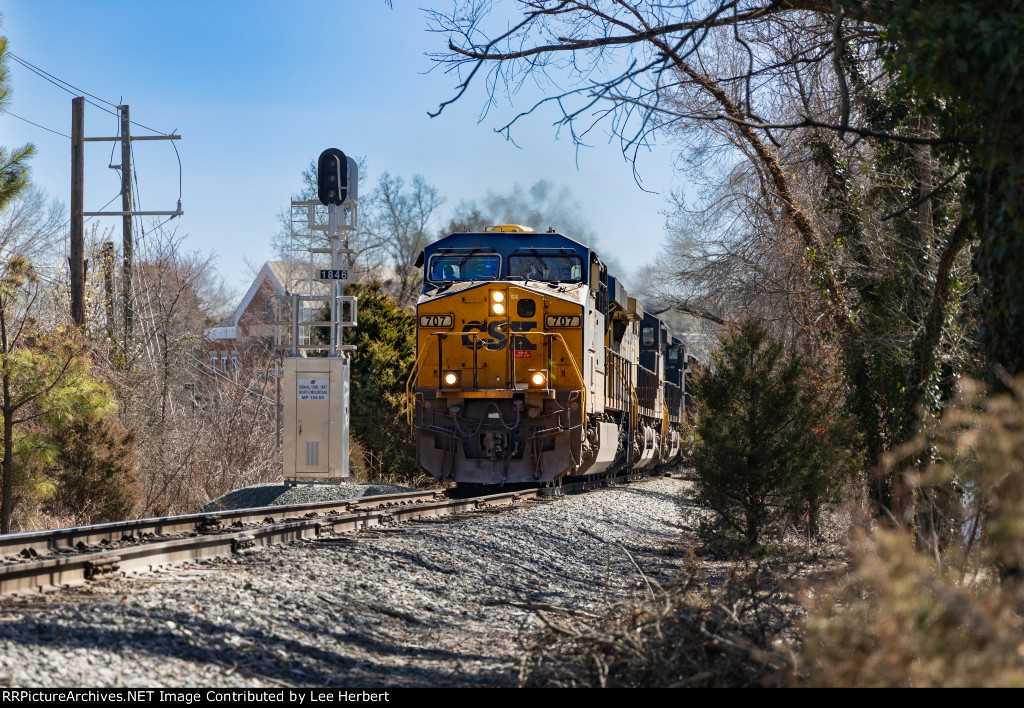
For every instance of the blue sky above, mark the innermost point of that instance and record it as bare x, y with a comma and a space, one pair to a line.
257, 89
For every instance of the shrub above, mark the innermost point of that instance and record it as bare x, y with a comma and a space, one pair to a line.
96, 480
898, 618
766, 444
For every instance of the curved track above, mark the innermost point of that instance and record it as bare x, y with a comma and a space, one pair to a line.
73, 556
43, 560
35, 544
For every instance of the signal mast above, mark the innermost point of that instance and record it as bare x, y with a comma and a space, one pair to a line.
315, 425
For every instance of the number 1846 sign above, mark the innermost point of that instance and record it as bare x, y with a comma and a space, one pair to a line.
335, 274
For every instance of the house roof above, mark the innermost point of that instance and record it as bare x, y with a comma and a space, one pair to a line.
285, 278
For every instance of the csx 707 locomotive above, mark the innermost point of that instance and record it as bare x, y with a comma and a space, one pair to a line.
533, 363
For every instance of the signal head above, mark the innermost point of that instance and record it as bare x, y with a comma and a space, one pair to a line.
332, 177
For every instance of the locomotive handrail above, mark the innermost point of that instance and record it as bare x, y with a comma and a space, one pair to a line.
414, 374
576, 368
673, 395
616, 386
410, 407
622, 367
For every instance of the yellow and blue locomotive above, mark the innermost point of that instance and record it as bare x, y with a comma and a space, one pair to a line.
533, 363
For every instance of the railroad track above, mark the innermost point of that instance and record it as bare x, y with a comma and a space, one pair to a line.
44, 560
41, 561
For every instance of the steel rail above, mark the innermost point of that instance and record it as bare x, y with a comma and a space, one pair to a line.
49, 573
33, 544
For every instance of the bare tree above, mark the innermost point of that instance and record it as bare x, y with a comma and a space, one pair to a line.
234, 416
400, 217
646, 69
32, 226
155, 377
822, 205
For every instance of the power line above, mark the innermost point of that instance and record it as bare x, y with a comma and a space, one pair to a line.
65, 86
14, 115
137, 197
157, 227
113, 145
179, 165
55, 80
136, 194
100, 209
68, 221
42, 74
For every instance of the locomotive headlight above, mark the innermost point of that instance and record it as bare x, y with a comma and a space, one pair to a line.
537, 379
450, 378
497, 300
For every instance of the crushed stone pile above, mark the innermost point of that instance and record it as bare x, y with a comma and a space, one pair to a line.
280, 494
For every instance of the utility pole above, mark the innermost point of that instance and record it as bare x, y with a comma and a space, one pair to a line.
126, 213
126, 223
77, 260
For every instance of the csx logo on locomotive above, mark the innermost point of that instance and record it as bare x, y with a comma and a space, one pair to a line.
497, 339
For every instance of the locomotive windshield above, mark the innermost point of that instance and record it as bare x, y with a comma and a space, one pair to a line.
464, 267
553, 268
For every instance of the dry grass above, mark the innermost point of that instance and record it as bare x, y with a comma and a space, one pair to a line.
898, 618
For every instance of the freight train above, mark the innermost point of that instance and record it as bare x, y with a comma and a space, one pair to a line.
533, 363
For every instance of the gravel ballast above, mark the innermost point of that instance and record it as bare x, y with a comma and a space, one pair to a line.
281, 494
434, 603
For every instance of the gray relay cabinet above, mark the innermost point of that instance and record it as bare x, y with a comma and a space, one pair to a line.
316, 419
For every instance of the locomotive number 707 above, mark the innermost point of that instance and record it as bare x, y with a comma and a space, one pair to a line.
435, 320
562, 321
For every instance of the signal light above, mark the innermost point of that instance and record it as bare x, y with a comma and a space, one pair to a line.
537, 379
332, 177
450, 378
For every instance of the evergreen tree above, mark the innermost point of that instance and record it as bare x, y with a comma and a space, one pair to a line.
14, 163
766, 446
96, 480
384, 356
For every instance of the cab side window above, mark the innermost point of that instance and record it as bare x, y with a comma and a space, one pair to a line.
647, 336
